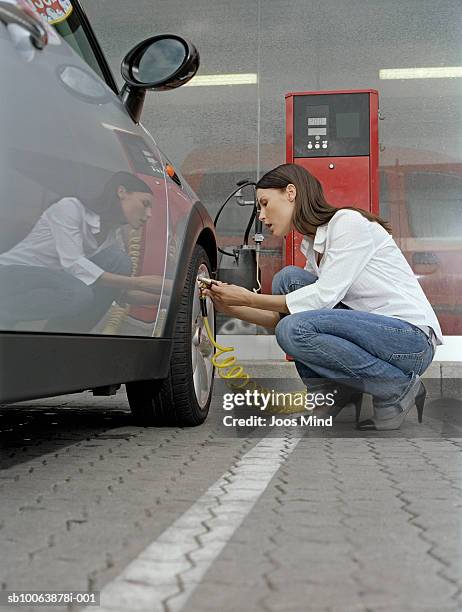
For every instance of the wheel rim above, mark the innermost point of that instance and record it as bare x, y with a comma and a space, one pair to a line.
201, 348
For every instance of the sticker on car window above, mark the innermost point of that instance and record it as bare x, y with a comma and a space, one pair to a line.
54, 11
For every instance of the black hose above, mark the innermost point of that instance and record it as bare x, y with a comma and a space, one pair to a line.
241, 184
220, 250
224, 204
249, 226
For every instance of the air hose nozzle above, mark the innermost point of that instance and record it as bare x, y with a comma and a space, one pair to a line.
203, 301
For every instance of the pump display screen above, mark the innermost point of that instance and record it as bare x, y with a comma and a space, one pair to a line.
317, 120
317, 131
328, 125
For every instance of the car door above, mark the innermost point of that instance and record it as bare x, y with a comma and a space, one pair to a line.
64, 134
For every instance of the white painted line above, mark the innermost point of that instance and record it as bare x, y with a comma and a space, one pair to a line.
201, 533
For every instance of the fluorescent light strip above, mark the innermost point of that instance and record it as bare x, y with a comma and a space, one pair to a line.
222, 79
443, 72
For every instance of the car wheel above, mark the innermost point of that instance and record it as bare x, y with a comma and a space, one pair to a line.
182, 399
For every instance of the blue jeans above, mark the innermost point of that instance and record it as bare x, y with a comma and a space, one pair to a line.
373, 353
34, 293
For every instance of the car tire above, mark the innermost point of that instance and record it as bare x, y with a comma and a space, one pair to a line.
175, 401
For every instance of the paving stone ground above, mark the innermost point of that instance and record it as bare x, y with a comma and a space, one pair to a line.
349, 522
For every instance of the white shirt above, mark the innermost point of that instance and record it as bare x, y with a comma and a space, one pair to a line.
63, 239
362, 267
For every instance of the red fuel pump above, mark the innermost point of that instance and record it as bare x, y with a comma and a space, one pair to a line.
334, 135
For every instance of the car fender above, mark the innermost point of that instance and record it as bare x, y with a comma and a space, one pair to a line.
200, 230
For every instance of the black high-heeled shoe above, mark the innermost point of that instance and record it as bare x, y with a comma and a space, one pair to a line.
354, 400
415, 396
346, 397
358, 405
420, 401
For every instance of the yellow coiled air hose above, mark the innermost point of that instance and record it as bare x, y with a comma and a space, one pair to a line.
230, 370
117, 314
228, 363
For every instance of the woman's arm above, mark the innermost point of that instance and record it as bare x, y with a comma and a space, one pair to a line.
139, 298
265, 318
242, 304
147, 284
232, 295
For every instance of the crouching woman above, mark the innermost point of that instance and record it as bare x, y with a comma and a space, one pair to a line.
356, 313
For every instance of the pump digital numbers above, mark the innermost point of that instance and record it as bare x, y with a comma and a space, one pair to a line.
317, 121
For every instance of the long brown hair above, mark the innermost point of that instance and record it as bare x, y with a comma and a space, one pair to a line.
107, 204
311, 207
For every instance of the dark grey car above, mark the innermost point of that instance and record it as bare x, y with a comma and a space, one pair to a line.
101, 238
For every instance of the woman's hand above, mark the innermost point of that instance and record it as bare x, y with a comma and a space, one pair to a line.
218, 304
220, 307
224, 295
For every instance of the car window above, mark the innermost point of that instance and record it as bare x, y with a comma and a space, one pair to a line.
66, 21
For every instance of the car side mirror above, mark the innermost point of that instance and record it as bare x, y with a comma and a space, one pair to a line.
158, 63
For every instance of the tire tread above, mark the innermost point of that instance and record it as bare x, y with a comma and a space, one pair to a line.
172, 402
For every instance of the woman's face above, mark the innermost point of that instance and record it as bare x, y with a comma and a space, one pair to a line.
277, 209
136, 206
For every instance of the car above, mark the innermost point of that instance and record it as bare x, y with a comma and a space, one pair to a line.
101, 237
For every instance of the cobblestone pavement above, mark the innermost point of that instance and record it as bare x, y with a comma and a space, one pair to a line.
348, 521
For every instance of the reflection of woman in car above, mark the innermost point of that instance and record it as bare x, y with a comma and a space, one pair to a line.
73, 265
355, 314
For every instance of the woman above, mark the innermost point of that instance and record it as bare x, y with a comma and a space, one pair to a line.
355, 314
73, 265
